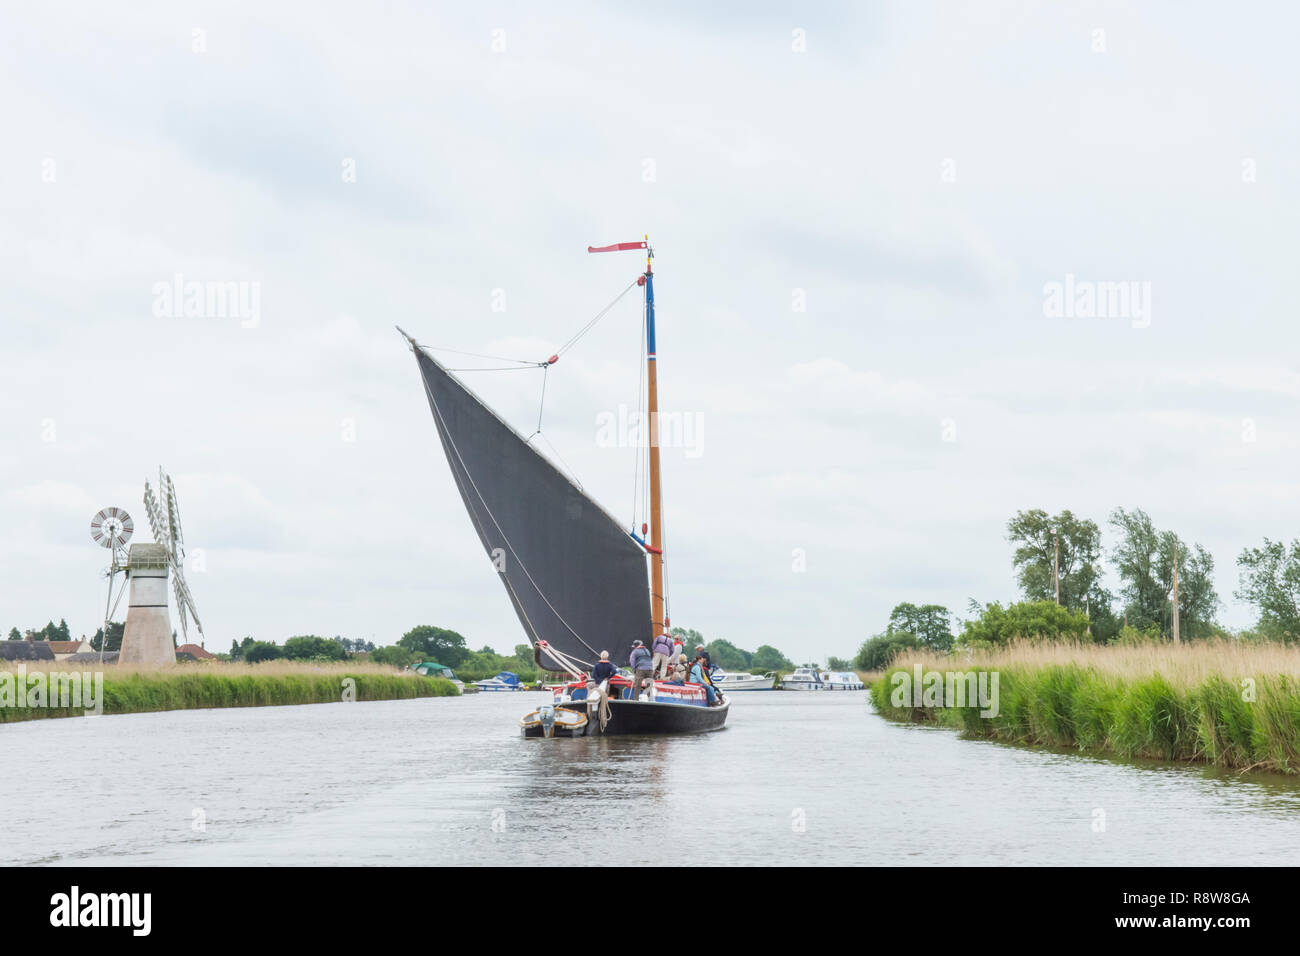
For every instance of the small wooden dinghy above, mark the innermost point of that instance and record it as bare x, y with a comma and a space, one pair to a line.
549, 721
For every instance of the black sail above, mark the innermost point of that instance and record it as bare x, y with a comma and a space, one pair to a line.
577, 580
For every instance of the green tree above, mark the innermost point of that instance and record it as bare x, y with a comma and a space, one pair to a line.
1027, 620
928, 623
437, 644
311, 647
728, 656
1270, 580
1198, 602
690, 637
115, 629
1136, 558
838, 664
259, 651
879, 652
14, 635
394, 656
768, 658
1037, 535
1144, 558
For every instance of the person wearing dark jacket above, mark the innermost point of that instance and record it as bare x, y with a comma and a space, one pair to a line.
604, 670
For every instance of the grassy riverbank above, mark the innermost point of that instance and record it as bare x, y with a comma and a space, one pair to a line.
1232, 705
129, 690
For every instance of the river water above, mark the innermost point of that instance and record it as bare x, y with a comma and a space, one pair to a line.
794, 778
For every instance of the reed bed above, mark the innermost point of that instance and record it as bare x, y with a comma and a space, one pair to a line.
1223, 703
128, 690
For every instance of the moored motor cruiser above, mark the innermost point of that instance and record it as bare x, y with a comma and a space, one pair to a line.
804, 678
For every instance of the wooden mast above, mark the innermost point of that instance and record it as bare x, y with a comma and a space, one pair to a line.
658, 624
655, 545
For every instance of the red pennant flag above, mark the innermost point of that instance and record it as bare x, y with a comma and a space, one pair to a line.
617, 247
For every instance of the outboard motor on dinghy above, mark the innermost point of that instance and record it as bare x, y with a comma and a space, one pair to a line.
546, 714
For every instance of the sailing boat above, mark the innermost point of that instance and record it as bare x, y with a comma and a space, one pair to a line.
575, 576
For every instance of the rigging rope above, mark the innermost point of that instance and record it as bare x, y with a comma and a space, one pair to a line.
499, 368
604, 706
495, 358
533, 363
545, 366
599, 315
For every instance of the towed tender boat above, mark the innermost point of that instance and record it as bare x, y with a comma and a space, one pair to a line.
804, 678
548, 721
576, 575
743, 680
842, 680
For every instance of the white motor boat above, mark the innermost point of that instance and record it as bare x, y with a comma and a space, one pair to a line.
842, 680
504, 681
742, 680
804, 678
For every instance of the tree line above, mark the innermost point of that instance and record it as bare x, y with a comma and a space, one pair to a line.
50, 632
1059, 567
450, 648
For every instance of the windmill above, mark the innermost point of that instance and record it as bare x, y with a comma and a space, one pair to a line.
112, 528
165, 520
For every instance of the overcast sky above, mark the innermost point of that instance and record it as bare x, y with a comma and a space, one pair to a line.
913, 176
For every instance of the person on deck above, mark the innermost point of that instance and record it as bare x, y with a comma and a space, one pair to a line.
642, 668
601, 673
663, 653
700, 675
679, 651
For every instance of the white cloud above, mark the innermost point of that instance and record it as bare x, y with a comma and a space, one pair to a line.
477, 171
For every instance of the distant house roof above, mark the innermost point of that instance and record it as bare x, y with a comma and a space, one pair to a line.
26, 651
110, 657
197, 652
64, 647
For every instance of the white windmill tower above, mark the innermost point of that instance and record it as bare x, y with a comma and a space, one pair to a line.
148, 635
111, 528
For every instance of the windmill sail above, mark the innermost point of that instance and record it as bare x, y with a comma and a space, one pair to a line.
576, 579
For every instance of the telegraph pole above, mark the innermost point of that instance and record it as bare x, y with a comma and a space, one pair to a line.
1056, 564
1175, 595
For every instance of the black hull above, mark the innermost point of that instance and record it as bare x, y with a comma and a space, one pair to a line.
648, 717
